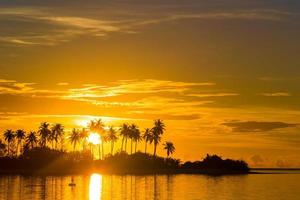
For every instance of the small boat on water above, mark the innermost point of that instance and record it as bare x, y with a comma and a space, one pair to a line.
72, 184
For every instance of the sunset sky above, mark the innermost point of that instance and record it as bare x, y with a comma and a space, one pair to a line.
224, 75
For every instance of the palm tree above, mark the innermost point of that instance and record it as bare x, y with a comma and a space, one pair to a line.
83, 136
45, 133
2, 148
31, 139
98, 127
112, 137
157, 131
147, 136
9, 137
169, 147
132, 132
57, 131
137, 138
74, 138
20, 135
124, 133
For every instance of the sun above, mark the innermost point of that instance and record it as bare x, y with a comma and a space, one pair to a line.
94, 138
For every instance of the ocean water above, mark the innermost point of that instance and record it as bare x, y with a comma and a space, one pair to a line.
283, 186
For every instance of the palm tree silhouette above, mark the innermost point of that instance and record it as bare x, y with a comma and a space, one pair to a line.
31, 139
83, 136
157, 131
2, 148
20, 135
57, 132
9, 137
112, 137
136, 137
124, 133
74, 138
147, 136
45, 133
169, 147
132, 132
98, 127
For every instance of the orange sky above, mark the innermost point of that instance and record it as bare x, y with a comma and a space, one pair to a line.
223, 76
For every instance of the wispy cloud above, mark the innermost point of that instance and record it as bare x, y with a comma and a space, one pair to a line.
151, 97
147, 86
56, 27
14, 87
276, 94
93, 92
255, 126
203, 95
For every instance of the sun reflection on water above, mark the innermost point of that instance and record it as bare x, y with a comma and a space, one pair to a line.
95, 187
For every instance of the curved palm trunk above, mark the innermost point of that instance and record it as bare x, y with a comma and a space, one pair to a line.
131, 147
112, 148
61, 144
126, 145
100, 152
122, 143
20, 147
102, 146
154, 153
8, 148
91, 151
18, 144
145, 147
135, 146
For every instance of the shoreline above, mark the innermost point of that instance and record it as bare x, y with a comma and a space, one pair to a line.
141, 172
128, 172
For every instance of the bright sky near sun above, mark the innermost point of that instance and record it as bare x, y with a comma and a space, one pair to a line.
224, 75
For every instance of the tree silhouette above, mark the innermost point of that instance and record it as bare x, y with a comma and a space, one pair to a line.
74, 138
20, 135
147, 136
31, 139
132, 134
157, 131
57, 132
98, 127
169, 147
9, 137
83, 136
124, 133
44, 133
2, 148
136, 137
112, 137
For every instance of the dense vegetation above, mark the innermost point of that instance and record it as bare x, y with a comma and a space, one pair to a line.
44, 152
54, 137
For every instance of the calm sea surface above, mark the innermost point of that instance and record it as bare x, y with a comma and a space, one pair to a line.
96, 186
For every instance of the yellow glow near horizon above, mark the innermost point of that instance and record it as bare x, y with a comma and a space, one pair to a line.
95, 187
85, 120
94, 138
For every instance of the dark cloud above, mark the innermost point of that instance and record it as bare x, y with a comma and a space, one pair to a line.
254, 126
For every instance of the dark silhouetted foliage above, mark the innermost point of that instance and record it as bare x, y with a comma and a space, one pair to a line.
216, 163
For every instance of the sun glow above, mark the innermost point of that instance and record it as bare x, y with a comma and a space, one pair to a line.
94, 138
